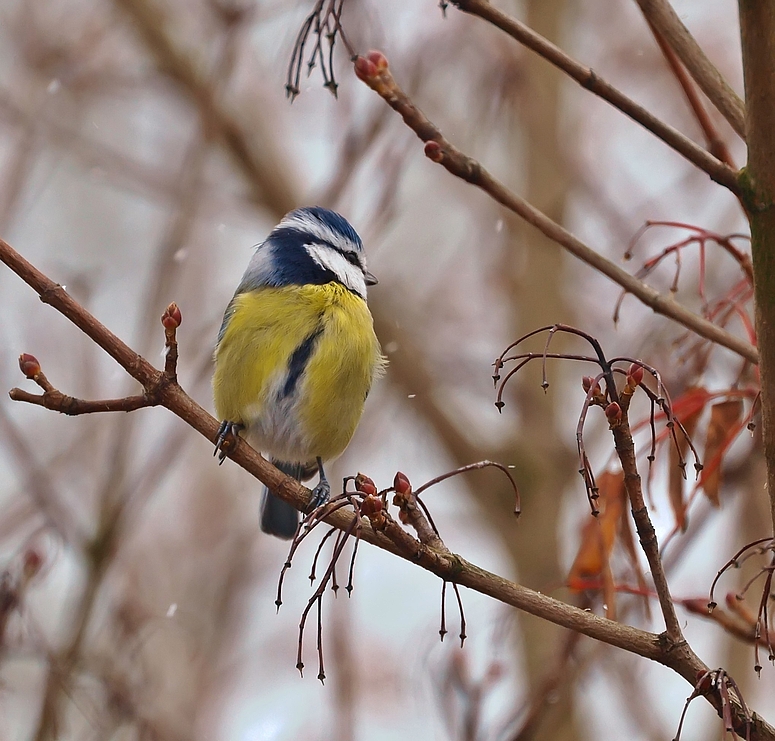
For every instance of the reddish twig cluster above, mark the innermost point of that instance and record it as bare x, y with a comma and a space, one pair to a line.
724, 693
721, 310
371, 510
614, 401
602, 391
762, 634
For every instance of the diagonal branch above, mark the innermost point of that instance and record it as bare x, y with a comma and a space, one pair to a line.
172, 397
661, 15
375, 73
587, 78
716, 145
444, 564
257, 160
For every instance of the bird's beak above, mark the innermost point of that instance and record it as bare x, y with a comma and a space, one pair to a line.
370, 279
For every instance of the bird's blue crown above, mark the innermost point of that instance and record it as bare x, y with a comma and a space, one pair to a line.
311, 245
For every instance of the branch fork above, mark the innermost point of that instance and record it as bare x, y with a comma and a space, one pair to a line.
55, 400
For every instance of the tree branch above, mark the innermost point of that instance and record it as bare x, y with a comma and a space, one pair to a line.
258, 161
375, 73
757, 26
625, 450
586, 77
660, 14
444, 564
716, 145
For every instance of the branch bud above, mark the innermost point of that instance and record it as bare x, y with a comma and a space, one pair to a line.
370, 65
592, 388
371, 506
365, 485
433, 151
378, 59
613, 412
29, 365
401, 484
635, 375
172, 317
364, 69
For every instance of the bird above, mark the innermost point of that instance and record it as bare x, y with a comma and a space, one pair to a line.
296, 353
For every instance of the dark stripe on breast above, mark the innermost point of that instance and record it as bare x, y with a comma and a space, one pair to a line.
298, 362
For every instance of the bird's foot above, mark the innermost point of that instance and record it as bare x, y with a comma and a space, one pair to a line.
320, 495
225, 438
322, 492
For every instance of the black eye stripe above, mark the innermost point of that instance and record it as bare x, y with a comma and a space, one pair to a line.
351, 257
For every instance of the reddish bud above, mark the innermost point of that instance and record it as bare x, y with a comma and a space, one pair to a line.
587, 383
29, 365
371, 65
401, 484
433, 151
365, 485
371, 506
172, 317
364, 69
33, 562
378, 59
635, 374
613, 412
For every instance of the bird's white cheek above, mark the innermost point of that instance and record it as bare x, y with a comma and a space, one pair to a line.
347, 273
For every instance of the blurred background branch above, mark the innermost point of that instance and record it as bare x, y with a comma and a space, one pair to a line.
145, 148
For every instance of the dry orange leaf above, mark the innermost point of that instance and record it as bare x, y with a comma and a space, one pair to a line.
599, 533
687, 409
723, 428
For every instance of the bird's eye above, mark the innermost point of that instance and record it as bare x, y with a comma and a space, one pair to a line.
352, 258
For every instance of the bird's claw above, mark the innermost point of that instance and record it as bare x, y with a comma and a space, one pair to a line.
320, 495
225, 438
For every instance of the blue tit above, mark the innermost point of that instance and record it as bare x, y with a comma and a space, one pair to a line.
296, 354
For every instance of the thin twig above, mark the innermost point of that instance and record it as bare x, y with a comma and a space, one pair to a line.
589, 80
447, 566
375, 73
716, 145
661, 15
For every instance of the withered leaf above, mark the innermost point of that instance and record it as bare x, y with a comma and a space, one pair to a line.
687, 409
723, 428
599, 535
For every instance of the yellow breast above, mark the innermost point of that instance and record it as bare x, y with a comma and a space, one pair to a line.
294, 365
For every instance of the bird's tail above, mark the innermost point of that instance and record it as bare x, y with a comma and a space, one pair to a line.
278, 517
